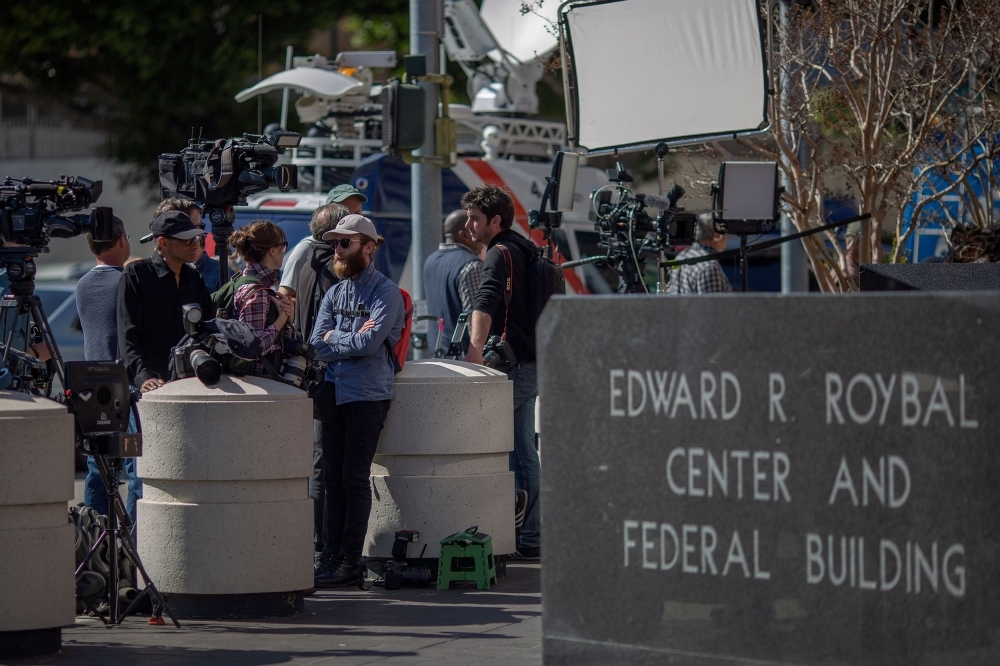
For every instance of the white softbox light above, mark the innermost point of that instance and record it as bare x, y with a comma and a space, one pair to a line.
644, 71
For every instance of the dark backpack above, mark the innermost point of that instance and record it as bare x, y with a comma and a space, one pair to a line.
545, 279
225, 308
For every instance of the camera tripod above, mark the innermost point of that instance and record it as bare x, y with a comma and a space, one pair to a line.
23, 302
118, 533
21, 312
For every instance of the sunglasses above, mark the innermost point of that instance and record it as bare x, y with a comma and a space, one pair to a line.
344, 242
188, 241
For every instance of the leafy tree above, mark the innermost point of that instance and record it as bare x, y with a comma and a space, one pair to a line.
153, 70
876, 97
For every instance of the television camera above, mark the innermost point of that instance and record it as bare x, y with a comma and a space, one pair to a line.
32, 212
221, 174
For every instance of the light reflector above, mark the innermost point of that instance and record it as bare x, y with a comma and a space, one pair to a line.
664, 70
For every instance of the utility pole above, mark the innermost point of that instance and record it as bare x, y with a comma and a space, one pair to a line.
426, 17
794, 273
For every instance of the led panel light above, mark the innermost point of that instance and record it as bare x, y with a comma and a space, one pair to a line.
748, 191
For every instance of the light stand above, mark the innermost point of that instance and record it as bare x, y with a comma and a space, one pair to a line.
661, 151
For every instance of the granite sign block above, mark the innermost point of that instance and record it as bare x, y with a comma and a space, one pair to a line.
930, 277
804, 480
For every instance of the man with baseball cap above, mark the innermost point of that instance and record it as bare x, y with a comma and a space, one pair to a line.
151, 293
298, 256
360, 319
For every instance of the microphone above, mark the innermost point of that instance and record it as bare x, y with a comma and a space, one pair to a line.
661, 202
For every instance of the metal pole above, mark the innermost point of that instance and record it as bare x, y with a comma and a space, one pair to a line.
284, 91
794, 271
426, 18
260, 69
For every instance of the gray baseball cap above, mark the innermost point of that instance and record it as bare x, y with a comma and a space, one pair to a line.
352, 225
341, 192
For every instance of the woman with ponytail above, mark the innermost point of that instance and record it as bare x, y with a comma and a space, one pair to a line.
262, 246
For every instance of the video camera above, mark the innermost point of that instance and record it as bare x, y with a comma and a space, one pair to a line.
629, 233
33, 211
209, 347
225, 172
221, 174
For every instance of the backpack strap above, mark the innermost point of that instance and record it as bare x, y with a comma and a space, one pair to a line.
508, 290
272, 310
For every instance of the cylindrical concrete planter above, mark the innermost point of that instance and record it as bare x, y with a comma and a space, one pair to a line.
226, 524
37, 591
443, 458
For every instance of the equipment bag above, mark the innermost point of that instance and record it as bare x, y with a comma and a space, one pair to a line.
402, 347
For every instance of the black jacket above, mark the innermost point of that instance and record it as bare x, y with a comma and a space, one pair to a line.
149, 314
497, 268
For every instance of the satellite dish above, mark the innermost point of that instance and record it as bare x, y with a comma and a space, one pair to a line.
526, 37
316, 82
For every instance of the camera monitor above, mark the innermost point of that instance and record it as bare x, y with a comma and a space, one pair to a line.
564, 190
678, 71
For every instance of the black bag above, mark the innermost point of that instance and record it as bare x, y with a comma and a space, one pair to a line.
545, 279
324, 401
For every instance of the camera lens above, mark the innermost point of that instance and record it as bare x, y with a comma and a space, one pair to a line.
206, 368
491, 359
294, 370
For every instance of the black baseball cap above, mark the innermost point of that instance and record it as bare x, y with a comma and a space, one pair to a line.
172, 224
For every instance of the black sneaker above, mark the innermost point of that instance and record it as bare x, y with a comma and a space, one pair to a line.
345, 573
529, 553
326, 564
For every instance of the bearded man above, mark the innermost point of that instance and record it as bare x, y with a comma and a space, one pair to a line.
359, 321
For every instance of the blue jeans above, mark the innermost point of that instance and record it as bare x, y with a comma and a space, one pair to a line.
524, 458
95, 495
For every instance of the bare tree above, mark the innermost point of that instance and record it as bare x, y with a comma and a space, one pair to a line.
881, 97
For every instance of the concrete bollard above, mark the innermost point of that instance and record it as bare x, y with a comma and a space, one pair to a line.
443, 458
225, 526
37, 591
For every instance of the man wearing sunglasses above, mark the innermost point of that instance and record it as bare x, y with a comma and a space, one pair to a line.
151, 293
359, 321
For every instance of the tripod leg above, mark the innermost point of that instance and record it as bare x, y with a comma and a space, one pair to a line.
160, 605
114, 577
93, 549
38, 314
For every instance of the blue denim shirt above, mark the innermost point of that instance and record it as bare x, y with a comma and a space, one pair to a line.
360, 367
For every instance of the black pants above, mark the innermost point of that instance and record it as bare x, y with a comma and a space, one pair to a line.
317, 489
349, 433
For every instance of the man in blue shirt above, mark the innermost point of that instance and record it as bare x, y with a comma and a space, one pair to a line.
97, 305
360, 319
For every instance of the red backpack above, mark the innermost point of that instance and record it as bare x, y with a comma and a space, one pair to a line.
402, 346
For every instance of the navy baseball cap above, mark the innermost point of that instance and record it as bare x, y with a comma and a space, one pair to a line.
172, 224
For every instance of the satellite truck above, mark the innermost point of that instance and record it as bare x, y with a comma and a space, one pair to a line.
501, 52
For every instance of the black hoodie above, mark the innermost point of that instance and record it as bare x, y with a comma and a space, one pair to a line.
497, 268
